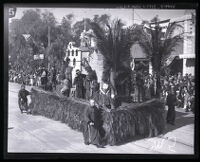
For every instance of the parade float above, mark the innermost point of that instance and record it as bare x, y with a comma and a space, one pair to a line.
121, 122
121, 125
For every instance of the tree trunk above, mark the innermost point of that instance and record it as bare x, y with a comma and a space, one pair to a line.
113, 88
158, 85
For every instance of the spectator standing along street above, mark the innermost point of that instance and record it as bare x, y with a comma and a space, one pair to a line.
171, 102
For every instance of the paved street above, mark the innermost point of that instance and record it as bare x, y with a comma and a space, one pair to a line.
28, 133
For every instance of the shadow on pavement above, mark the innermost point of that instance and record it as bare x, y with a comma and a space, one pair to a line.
182, 119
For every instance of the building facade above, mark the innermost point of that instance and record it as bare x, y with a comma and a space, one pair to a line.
86, 50
188, 55
75, 55
182, 59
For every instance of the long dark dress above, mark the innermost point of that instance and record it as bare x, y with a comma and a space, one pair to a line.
87, 85
171, 102
94, 134
80, 90
94, 90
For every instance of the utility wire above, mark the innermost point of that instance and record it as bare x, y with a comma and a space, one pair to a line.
139, 16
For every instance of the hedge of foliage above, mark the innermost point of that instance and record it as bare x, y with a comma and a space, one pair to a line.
136, 121
121, 125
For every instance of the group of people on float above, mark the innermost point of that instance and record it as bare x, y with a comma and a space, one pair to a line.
84, 86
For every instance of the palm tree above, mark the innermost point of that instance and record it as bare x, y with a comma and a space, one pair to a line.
157, 45
114, 44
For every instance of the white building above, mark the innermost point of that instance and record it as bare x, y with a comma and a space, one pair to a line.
185, 52
188, 55
76, 55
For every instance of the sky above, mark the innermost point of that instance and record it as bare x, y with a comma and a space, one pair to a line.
127, 15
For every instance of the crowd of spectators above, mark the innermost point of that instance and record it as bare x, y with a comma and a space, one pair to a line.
144, 87
184, 87
41, 77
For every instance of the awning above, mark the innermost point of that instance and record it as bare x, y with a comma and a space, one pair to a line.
187, 56
170, 59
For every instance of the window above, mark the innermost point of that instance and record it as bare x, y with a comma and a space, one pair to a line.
68, 53
76, 52
74, 62
72, 52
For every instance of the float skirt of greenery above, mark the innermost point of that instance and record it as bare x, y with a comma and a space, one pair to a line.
123, 124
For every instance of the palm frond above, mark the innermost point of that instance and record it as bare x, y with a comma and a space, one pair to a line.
143, 39
114, 44
101, 40
171, 27
169, 46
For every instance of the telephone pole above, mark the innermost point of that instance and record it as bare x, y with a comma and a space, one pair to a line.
49, 44
48, 36
133, 15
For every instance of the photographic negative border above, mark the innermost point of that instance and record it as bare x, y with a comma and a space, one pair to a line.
56, 4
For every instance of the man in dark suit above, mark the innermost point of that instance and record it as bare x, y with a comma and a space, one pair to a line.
78, 82
171, 102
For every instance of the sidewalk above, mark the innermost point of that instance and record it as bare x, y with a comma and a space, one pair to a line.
28, 133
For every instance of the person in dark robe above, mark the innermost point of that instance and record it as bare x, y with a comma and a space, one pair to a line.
94, 132
94, 89
79, 86
171, 103
90, 77
87, 85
